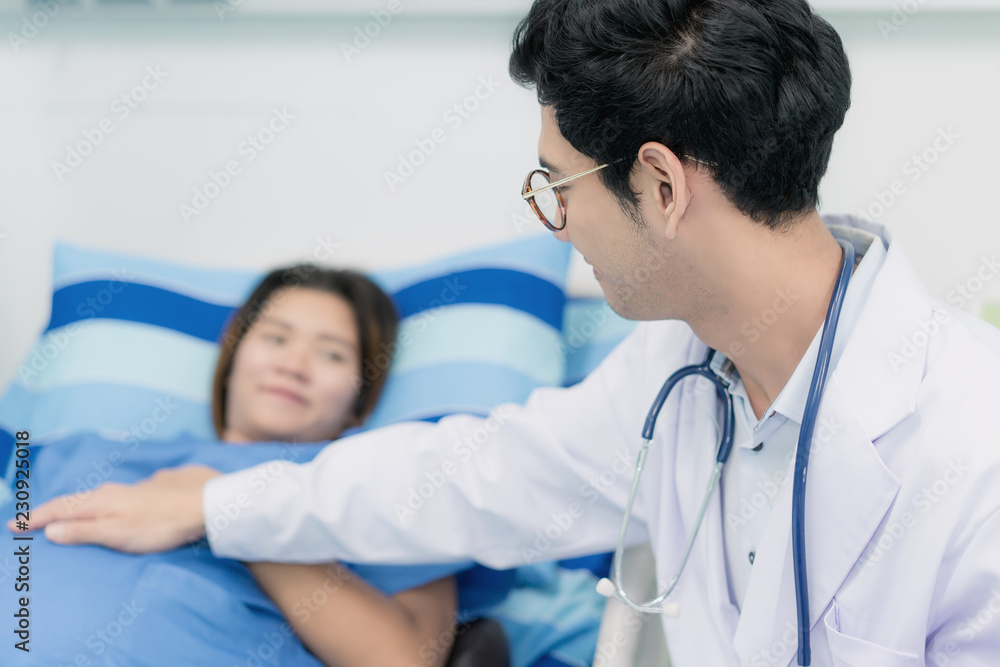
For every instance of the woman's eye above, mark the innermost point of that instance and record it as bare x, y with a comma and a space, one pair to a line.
333, 356
274, 338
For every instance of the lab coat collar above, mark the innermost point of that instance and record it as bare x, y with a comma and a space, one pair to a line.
849, 489
883, 361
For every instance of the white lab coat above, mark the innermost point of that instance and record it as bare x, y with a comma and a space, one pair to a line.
902, 521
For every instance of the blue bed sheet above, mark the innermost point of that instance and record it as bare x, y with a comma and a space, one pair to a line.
92, 606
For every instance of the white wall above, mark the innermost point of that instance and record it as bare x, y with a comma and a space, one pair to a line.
324, 176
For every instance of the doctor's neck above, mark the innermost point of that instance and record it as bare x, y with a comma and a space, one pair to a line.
770, 291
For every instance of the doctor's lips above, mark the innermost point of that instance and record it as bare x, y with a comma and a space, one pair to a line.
286, 393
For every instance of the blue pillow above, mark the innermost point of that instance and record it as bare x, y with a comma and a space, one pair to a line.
590, 331
131, 344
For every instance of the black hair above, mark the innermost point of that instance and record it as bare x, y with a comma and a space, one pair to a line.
756, 87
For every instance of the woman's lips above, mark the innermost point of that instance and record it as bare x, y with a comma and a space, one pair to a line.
287, 395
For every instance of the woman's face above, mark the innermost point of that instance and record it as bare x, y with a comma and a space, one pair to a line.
297, 372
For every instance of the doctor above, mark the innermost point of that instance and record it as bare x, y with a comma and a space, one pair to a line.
693, 137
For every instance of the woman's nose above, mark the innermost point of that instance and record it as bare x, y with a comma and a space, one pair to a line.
562, 235
294, 360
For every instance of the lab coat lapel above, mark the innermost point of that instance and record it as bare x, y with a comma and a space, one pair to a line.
849, 489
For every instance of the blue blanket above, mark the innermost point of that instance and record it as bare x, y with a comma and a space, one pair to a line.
92, 606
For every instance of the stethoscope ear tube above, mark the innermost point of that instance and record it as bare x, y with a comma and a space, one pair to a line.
728, 425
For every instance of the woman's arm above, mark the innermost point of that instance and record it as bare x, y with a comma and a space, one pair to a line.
347, 623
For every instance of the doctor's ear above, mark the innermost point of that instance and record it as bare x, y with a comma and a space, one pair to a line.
664, 173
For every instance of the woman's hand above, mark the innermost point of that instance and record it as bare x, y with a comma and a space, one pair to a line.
156, 514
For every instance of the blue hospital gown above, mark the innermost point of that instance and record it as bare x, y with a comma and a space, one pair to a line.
92, 606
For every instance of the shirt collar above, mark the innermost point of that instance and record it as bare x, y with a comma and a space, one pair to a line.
791, 401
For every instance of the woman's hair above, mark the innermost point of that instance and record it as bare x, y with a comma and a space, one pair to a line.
375, 316
757, 88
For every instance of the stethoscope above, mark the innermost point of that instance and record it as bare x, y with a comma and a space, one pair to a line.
613, 586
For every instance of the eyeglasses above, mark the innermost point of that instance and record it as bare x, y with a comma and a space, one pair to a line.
546, 200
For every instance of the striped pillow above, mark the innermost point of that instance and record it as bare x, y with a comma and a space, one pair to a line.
590, 331
130, 349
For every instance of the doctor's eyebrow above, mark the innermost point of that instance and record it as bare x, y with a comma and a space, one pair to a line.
549, 166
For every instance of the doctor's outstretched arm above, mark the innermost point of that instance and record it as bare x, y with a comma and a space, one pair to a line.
536, 482
521, 485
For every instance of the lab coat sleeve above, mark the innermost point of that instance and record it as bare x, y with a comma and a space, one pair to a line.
967, 622
541, 481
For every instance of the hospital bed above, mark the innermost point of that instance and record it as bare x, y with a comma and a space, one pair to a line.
92, 371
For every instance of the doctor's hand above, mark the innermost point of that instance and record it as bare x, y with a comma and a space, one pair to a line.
156, 514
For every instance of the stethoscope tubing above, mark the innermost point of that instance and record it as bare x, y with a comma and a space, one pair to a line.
816, 389
703, 369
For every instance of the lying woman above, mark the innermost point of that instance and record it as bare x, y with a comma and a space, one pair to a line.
298, 364
290, 370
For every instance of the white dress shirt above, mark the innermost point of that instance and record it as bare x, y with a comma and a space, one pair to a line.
764, 450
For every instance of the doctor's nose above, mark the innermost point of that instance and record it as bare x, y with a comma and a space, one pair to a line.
562, 235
